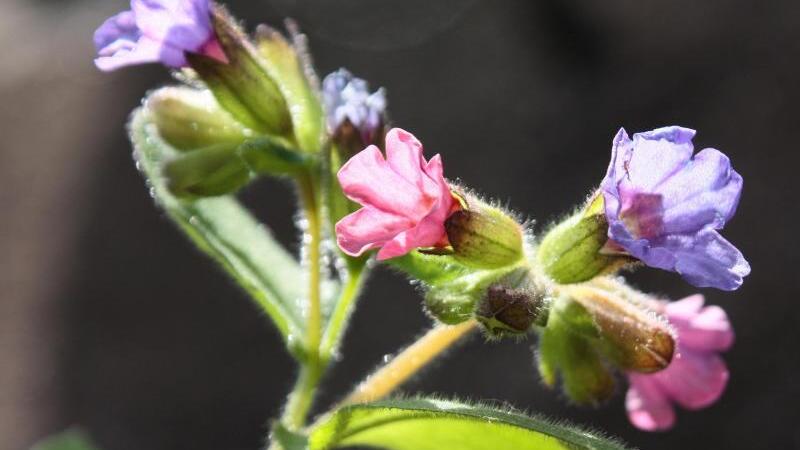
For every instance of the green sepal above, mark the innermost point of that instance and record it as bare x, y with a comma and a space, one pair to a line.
571, 251
189, 119
242, 85
484, 237
567, 351
207, 172
266, 155
437, 424
289, 65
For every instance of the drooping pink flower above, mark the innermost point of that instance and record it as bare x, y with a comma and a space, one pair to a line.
697, 375
405, 199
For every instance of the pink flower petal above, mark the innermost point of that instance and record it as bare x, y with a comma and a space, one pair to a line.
369, 180
700, 328
368, 228
694, 380
648, 407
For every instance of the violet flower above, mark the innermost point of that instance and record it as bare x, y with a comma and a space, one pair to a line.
157, 31
405, 199
347, 98
664, 206
697, 375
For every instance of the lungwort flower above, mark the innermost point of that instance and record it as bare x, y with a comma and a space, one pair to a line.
405, 199
664, 206
696, 376
347, 99
157, 31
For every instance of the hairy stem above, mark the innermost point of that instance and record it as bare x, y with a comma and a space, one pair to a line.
341, 313
302, 396
408, 362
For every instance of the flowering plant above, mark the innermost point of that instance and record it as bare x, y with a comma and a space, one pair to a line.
252, 106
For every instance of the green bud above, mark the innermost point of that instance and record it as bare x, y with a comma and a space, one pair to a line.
631, 336
206, 172
567, 353
243, 85
571, 252
189, 119
289, 65
484, 237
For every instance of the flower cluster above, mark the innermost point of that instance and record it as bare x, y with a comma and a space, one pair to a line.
258, 111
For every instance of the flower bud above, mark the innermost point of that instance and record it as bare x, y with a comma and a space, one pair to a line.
572, 251
511, 311
207, 172
190, 119
243, 86
484, 237
633, 337
289, 64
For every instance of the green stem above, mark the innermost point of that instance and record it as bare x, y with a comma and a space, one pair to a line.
341, 313
302, 396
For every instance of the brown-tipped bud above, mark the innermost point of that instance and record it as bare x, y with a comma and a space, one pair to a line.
505, 310
633, 337
484, 237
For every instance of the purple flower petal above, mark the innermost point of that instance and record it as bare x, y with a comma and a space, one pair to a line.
663, 206
155, 31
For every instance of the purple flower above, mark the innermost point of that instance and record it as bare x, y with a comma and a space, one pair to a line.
697, 375
664, 206
156, 31
347, 98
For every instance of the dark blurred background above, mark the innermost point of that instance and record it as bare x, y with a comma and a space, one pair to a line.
110, 320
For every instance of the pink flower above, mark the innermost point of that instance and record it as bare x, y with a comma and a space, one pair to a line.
405, 199
696, 376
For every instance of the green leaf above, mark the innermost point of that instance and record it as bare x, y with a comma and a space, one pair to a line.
434, 424
67, 440
223, 229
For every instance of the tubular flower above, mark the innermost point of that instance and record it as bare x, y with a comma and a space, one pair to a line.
347, 98
405, 199
697, 375
157, 31
664, 206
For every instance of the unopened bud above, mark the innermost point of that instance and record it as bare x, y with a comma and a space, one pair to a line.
484, 237
572, 251
289, 64
631, 336
207, 172
189, 119
509, 311
242, 85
